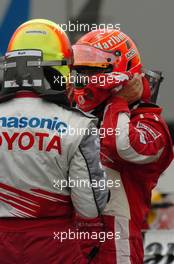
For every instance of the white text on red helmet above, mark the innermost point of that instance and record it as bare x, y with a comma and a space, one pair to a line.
112, 41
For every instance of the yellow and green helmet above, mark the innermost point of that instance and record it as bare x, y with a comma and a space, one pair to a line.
44, 35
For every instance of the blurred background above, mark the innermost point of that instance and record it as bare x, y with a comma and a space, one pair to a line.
149, 23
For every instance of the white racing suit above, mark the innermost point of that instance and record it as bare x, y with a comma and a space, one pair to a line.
38, 161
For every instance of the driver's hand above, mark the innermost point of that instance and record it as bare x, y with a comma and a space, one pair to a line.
133, 90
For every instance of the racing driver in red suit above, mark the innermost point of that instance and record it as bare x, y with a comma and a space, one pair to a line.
140, 148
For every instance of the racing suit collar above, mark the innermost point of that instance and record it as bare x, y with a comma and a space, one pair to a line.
146, 108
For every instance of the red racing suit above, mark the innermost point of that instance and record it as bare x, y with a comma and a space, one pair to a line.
135, 151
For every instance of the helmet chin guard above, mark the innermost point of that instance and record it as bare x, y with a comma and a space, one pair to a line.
23, 70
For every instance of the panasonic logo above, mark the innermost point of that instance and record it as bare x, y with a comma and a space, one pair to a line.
34, 122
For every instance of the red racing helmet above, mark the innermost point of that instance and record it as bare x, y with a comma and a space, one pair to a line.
112, 52
111, 42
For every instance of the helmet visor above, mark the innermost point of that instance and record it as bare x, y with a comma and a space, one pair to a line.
85, 55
